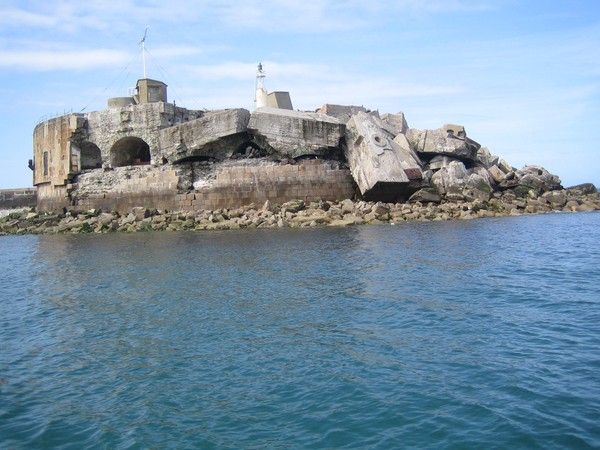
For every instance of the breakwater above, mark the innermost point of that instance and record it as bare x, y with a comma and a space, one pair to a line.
298, 213
16, 198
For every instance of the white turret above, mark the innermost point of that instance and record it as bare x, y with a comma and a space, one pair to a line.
260, 97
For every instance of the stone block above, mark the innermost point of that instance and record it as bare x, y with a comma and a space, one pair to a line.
449, 140
290, 134
381, 168
497, 174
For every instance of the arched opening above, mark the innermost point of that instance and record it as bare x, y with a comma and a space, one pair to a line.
91, 157
130, 151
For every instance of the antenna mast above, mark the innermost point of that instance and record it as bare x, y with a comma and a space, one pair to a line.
143, 42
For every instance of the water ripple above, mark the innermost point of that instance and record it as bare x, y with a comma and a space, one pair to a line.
480, 334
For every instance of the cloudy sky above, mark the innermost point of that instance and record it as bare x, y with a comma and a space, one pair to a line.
523, 76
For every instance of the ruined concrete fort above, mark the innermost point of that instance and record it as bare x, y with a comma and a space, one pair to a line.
144, 151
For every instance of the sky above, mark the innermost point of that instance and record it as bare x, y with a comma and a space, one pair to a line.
522, 76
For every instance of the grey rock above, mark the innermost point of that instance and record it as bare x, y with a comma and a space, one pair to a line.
293, 206
477, 187
539, 178
449, 140
486, 158
555, 198
426, 195
582, 189
140, 213
451, 179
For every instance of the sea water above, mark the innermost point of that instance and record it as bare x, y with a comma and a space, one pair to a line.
464, 334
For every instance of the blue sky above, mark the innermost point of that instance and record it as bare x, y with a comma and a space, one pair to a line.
522, 76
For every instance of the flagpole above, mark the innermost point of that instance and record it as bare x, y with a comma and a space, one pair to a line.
143, 42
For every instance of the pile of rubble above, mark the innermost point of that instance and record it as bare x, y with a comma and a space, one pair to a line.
298, 214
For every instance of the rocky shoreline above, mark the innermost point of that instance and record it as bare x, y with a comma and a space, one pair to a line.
298, 214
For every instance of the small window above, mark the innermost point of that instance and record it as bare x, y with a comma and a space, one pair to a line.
46, 164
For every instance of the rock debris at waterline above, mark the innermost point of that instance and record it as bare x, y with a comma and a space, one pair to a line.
298, 214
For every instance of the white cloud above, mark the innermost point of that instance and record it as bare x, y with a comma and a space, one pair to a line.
62, 60
15, 17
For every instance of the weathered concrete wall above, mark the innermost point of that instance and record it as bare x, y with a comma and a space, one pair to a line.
15, 198
126, 187
312, 180
216, 134
292, 134
52, 150
107, 127
225, 186
52, 198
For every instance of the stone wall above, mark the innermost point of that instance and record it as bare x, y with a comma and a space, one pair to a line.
17, 198
51, 150
125, 188
52, 198
312, 180
229, 186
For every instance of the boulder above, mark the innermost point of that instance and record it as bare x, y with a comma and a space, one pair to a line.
382, 168
291, 134
486, 158
582, 189
497, 174
450, 140
292, 206
426, 195
555, 198
450, 179
539, 178
140, 213
477, 187
504, 166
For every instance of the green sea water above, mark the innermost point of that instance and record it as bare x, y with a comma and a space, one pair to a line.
473, 334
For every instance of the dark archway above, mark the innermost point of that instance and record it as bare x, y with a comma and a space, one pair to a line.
91, 156
130, 151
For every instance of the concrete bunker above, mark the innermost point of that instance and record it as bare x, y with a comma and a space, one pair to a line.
130, 151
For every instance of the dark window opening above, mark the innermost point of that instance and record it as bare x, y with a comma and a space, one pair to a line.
45, 164
91, 157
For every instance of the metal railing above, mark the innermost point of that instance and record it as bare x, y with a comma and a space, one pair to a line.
52, 116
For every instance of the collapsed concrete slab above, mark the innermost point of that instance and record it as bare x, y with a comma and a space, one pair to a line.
341, 112
382, 169
217, 135
292, 134
449, 140
395, 123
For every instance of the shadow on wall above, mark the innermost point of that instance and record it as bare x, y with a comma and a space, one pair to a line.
130, 151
